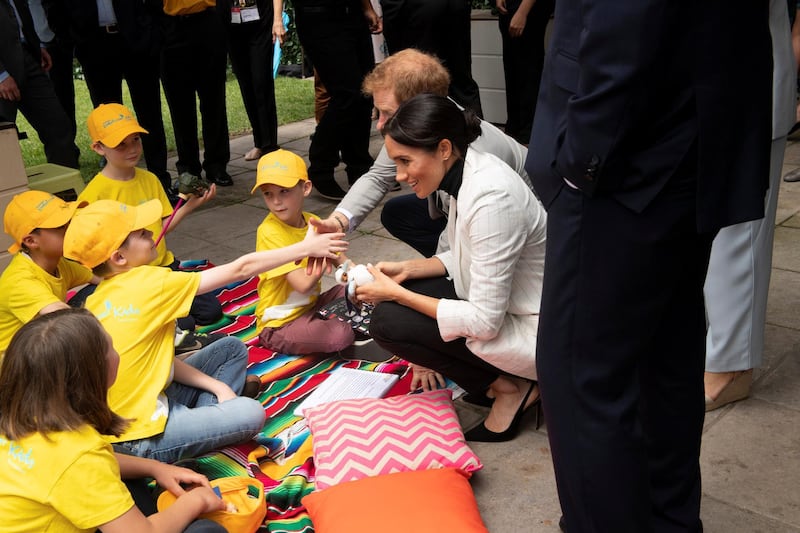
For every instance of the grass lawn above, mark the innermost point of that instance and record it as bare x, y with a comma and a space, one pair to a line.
294, 98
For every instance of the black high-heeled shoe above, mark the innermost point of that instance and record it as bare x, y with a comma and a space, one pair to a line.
478, 399
481, 434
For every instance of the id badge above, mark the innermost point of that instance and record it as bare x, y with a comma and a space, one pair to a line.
236, 15
250, 14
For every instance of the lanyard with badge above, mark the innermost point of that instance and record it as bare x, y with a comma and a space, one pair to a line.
244, 11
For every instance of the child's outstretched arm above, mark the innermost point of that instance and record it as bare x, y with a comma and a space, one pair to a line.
315, 244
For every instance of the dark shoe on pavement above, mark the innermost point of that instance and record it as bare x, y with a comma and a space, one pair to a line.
223, 179
193, 341
329, 189
792, 176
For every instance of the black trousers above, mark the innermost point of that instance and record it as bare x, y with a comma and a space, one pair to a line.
40, 106
523, 59
193, 63
620, 359
251, 50
415, 337
62, 53
407, 218
338, 42
439, 27
107, 59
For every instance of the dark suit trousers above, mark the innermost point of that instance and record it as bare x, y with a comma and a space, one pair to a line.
407, 218
620, 357
106, 60
251, 52
41, 108
340, 48
62, 54
439, 27
193, 62
415, 337
523, 58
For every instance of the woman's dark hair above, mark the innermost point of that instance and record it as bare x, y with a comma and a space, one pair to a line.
54, 377
426, 119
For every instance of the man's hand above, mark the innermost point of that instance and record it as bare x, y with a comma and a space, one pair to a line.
321, 265
9, 90
517, 25
47, 61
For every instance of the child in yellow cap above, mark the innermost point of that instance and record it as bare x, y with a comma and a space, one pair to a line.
179, 408
116, 135
38, 278
288, 296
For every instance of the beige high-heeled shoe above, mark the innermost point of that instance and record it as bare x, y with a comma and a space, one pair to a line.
737, 389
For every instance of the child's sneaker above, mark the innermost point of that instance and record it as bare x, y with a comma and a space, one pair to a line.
188, 342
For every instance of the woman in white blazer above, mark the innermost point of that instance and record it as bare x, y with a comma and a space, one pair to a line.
470, 313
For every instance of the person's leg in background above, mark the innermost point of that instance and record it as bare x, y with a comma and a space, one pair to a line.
736, 291
177, 79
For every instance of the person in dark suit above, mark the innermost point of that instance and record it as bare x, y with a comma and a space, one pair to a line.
121, 43
25, 87
335, 34
441, 28
639, 160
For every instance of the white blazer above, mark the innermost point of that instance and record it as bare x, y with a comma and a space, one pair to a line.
496, 230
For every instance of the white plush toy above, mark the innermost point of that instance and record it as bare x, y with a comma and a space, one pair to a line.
352, 276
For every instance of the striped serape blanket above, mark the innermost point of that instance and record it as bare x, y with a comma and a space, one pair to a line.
281, 455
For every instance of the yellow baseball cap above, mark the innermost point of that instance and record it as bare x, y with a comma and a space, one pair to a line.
281, 168
111, 123
98, 230
35, 209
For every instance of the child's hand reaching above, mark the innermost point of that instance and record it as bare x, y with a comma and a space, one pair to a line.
323, 245
171, 477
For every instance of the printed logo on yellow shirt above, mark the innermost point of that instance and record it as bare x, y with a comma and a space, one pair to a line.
18, 458
121, 313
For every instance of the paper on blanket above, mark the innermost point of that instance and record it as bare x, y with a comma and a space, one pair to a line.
348, 384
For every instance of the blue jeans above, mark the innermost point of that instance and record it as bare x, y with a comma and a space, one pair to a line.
196, 423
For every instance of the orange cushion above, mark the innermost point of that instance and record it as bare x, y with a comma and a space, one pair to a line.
422, 501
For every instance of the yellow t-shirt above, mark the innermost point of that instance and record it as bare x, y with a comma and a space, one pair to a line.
138, 308
142, 188
26, 288
278, 303
70, 482
187, 7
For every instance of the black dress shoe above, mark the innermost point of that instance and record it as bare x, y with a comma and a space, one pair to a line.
223, 179
562, 524
329, 189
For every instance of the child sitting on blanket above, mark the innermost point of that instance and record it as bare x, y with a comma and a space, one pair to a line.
116, 135
38, 278
178, 408
59, 471
289, 297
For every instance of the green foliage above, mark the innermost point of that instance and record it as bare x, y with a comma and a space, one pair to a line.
294, 99
292, 53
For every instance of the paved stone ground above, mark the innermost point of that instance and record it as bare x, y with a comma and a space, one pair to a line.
751, 450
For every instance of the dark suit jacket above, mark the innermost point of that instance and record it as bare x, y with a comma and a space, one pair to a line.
138, 21
11, 48
633, 89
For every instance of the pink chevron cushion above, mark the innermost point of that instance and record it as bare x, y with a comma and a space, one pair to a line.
354, 439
